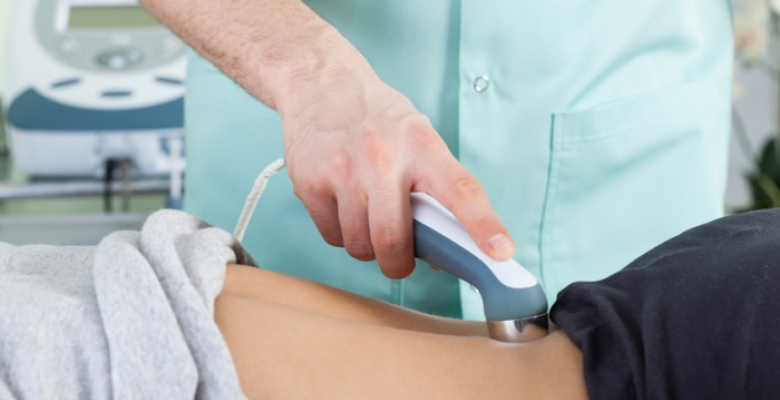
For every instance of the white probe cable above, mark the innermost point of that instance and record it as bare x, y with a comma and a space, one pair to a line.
254, 196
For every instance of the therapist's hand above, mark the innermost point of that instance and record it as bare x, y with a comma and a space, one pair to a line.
355, 149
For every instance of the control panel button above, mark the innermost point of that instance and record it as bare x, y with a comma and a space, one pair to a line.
116, 93
165, 80
121, 39
119, 59
65, 83
70, 47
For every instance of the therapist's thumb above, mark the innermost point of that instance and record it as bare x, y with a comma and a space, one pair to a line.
462, 194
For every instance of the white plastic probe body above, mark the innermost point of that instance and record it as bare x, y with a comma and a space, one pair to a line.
509, 291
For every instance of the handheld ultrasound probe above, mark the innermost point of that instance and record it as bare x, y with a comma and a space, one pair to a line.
515, 304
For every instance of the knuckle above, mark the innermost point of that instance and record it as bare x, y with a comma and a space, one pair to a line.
379, 151
394, 270
332, 239
466, 186
416, 123
360, 250
423, 135
325, 219
370, 127
297, 191
485, 224
340, 166
429, 142
314, 187
330, 233
390, 243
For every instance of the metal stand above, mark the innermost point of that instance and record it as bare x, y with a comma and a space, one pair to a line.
81, 188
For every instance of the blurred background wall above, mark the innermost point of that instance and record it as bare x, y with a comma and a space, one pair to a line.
756, 89
5, 16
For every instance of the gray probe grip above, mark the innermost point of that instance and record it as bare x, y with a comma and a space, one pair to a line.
508, 291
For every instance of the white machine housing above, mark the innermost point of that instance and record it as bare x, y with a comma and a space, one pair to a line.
92, 80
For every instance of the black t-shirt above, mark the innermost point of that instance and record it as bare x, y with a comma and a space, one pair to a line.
698, 317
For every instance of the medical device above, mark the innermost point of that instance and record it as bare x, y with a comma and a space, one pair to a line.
515, 304
89, 81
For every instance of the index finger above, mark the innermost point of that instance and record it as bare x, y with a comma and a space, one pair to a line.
461, 193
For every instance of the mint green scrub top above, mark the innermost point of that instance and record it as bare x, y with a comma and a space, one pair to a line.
599, 128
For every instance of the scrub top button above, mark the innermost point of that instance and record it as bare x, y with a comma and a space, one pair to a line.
481, 84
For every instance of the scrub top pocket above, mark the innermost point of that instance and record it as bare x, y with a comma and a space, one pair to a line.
629, 173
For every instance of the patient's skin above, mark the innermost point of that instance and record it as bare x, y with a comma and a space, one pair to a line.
295, 339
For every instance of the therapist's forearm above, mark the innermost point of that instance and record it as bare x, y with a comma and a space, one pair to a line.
270, 47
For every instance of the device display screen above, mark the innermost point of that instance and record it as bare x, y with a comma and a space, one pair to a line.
110, 17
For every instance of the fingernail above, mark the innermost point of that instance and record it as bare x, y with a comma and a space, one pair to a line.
501, 246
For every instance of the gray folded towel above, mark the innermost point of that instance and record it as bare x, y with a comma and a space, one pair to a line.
132, 318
